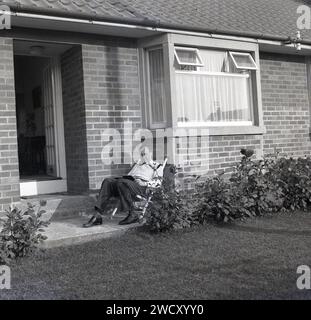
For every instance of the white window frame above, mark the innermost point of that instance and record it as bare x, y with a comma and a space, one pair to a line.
171, 41
214, 73
244, 54
242, 123
212, 124
200, 64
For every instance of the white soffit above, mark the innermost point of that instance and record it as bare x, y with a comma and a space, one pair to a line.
83, 26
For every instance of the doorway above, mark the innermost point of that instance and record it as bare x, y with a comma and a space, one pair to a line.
40, 126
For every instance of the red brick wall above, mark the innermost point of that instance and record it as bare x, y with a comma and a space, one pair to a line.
9, 172
112, 96
286, 107
74, 120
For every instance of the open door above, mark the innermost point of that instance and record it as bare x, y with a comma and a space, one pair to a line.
49, 121
54, 180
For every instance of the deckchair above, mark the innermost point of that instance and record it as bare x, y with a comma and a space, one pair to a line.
151, 188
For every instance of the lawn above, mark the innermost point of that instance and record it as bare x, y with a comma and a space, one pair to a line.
253, 260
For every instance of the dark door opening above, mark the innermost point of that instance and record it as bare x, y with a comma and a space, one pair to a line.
31, 116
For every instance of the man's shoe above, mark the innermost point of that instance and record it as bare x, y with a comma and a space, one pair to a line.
129, 220
94, 221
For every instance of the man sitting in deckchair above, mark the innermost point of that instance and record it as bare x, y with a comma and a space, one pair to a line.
126, 188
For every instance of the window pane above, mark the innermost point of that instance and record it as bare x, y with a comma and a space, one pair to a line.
244, 61
214, 61
186, 56
213, 98
157, 87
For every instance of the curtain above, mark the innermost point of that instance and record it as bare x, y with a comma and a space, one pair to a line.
157, 87
212, 98
214, 61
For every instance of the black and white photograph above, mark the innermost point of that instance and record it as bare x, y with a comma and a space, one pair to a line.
155, 154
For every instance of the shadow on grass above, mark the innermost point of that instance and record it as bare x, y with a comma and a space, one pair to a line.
239, 228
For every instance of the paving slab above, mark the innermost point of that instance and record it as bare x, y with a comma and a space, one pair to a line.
62, 206
67, 213
70, 231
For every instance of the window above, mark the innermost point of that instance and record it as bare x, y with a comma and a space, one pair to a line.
191, 81
188, 57
157, 95
218, 93
243, 61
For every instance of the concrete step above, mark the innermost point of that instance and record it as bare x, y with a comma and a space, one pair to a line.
70, 231
62, 206
67, 213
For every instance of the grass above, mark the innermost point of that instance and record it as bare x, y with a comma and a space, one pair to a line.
253, 260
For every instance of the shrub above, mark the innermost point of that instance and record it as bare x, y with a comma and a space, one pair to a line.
219, 200
256, 183
293, 176
21, 232
250, 191
169, 208
255, 188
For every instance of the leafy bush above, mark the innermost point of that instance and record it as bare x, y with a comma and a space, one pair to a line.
293, 176
21, 232
256, 188
169, 208
217, 200
250, 191
256, 182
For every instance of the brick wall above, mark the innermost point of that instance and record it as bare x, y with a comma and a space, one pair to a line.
9, 172
209, 155
112, 96
74, 120
286, 106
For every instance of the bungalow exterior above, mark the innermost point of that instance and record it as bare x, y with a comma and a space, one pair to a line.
81, 80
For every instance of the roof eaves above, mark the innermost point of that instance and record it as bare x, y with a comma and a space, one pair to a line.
144, 22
